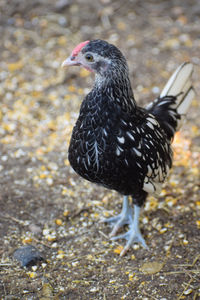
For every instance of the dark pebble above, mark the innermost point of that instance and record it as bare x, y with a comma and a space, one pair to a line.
28, 256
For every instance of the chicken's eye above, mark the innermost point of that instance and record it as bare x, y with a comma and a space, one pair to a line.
89, 57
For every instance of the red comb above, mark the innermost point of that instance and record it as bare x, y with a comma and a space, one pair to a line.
78, 48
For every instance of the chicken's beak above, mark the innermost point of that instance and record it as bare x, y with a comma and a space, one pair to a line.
70, 61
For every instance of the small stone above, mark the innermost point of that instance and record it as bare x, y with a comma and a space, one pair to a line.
46, 232
35, 229
32, 274
4, 158
49, 181
28, 255
34, 268
19, 153
136, 247
44, 265
94, 290
156, 90
54, 245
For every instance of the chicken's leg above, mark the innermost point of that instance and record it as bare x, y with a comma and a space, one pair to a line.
133, 234
125, 217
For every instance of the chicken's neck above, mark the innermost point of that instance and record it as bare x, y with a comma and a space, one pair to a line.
117, 88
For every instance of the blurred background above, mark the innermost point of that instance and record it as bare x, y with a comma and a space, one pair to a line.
36, 36
38, 108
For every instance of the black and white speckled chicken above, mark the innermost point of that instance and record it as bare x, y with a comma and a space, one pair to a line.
116, 143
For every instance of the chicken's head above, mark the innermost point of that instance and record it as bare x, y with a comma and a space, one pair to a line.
96, 56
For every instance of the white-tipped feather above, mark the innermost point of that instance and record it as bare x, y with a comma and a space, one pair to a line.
178, 80
180, 85
185, 104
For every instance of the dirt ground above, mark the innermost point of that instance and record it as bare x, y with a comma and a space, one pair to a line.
43, 202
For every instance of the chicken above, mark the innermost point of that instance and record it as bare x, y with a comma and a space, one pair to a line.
116, 143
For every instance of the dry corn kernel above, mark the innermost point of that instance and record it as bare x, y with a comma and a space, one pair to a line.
163, 230
106, 214
51, 238
27, 240
42, 176
72, 88
96, 215
127, 273
32, 274
112, 281
66, 213
118, 250
90, 257
58, 222
60, 256
15, 66
64, 191
61, 252
130, 277
198, 223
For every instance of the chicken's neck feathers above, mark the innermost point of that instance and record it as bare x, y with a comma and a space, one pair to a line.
116, 87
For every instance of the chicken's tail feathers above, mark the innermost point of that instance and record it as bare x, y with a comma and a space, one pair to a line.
180, 86
174, 100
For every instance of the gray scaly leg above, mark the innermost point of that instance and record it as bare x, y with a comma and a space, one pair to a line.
133, 235
125, 217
